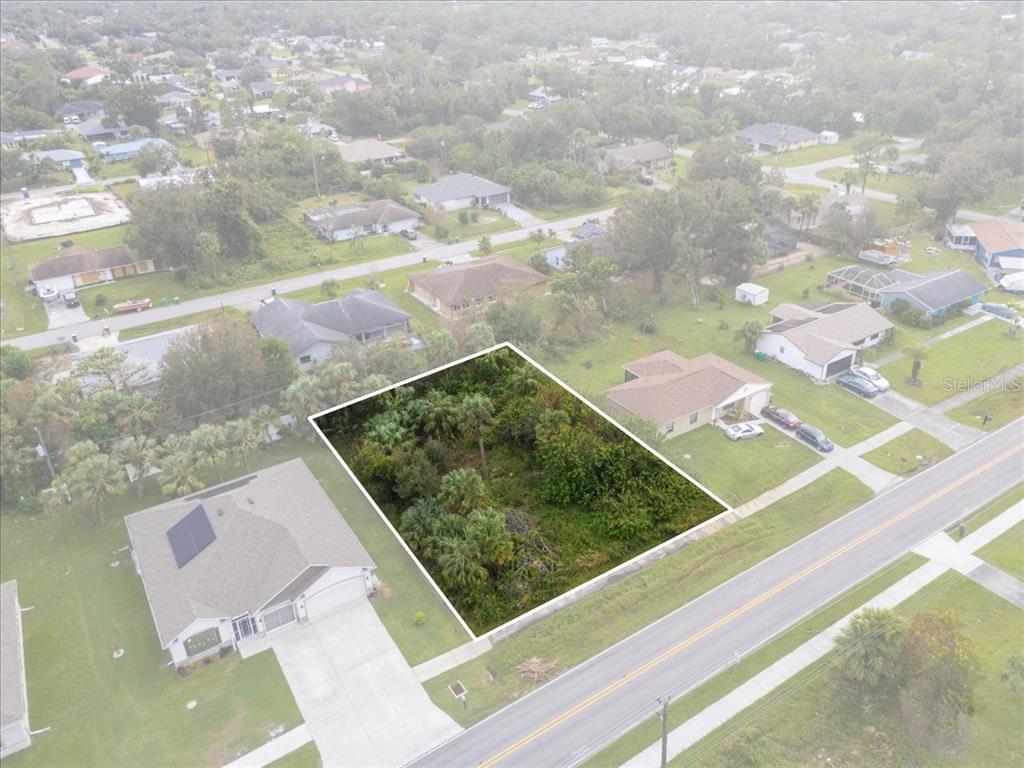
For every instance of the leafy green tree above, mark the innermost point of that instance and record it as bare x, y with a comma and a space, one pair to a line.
441, 347
153, 158
109, 367
477, 337
749, 333
14, 362
484, 245
462, 490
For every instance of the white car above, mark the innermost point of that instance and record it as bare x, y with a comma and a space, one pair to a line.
744, 431
880, 382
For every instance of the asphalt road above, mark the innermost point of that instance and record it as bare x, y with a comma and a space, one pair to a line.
570, 718
248, 298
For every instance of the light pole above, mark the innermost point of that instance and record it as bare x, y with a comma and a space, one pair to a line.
663, 714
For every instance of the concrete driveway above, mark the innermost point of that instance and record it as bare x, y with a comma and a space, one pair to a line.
60, 316
359, 697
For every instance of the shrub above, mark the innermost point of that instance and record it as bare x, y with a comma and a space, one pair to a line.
14, 362
100, 299
419, 618
474, 216
912, 316
899, 306
648, 327
463, 217
723, 326
441, 232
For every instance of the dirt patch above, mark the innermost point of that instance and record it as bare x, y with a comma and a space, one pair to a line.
62, 214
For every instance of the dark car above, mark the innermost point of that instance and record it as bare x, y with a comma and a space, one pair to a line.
71, 300
409, 234
780, 416
857, 384
647, 181
814, 437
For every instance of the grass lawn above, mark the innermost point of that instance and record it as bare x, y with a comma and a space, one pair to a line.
696, 700
177, 322
487, 223
991, 510
581, 630
556, 212
908, 453
804, 723
897, 184
23, 310
194, 153
946, 258
1003, 405
306, 756
955, 363
522, 250
127, 711
1006, 552
846, 418
739, 471
810, 155
117, 170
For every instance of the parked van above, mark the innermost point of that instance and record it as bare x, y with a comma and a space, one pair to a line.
814, 437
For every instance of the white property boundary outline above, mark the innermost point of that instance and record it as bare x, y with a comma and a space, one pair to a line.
726, 508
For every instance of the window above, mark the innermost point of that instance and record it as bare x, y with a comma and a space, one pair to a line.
279, 617
670, 426
693, 417
305, 359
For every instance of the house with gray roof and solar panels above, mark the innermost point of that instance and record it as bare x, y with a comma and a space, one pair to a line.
313, 330
245, 558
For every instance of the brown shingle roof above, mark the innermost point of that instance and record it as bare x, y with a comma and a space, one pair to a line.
669, 386
999, 235
75, 260
484, 277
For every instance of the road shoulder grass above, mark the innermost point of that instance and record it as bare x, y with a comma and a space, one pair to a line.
582, 630
1002, 405
908, 453
1006, 552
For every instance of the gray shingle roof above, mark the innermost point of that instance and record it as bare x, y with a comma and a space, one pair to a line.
373, 214
938, 290
269, 527
489, 276
823, 333
458, 186
75, 260
646, 152
301, 325
13, 697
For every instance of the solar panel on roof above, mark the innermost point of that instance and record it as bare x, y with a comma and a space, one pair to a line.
190, 536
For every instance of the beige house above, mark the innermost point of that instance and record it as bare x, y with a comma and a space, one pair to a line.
76, 266
459, 289
679, 394
647, 156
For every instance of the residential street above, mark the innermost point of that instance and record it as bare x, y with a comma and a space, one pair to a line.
568, 719
247, 298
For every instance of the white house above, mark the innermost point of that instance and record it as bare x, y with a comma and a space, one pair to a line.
828, 137
749, 293
245, 558
461, 190
15, 734
345, 222
821, 342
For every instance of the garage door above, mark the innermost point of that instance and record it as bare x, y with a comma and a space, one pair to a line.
838, 366
335, 595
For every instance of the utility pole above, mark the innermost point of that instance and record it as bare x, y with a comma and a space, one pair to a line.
663, 714
46, 454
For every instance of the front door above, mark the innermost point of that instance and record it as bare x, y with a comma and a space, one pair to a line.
244, 626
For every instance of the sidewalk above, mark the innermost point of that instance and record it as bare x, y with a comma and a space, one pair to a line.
274, 749
465, 652
763, 683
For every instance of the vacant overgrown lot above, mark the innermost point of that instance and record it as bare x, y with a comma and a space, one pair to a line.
509, 488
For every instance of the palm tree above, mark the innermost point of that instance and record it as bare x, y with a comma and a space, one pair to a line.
486, 529
475, 413
749, 333
136, 413
179, 474
460, 563
848, 179
95, 480
869, 649
210, 447
243, 437
918, 353
807, 206
140, 453
484, 244
890, 155
462, 490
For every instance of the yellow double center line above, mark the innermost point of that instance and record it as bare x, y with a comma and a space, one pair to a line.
732, 615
